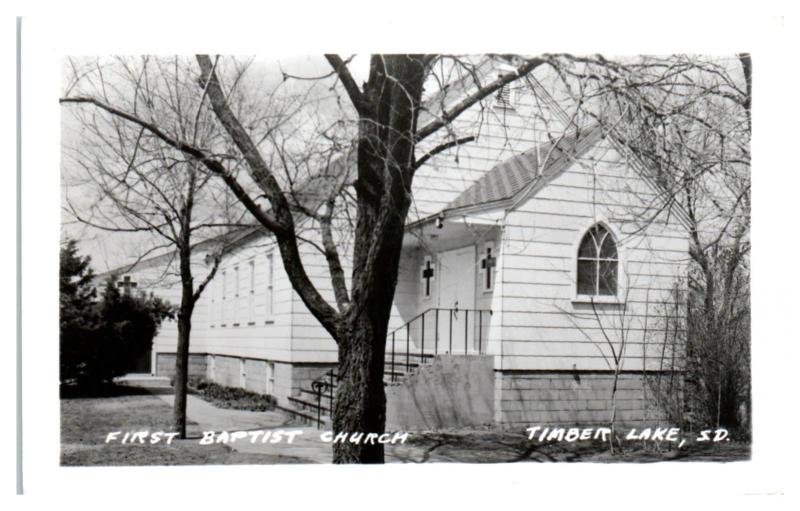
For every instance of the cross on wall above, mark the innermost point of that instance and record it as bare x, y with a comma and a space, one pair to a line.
487, 263
126, 284
427, 275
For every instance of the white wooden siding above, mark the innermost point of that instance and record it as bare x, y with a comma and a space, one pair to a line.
542, 327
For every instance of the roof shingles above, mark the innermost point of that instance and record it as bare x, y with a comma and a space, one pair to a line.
509, 177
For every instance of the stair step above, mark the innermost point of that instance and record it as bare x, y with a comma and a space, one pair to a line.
313, 393
412, 356
402, 363
308, 405
308, 395
303, 415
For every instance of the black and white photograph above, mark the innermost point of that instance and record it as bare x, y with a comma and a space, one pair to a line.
405, 258
445, 262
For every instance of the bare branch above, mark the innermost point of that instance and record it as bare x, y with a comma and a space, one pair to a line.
441, 147
358, 99
213, 165
447, 117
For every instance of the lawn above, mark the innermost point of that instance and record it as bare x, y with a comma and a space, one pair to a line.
498, 446
86, 420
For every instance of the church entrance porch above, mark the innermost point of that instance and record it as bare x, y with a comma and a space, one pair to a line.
445, 288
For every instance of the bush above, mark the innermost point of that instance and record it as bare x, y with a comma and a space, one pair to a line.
706, 350
100, 339
229, 397
129, 323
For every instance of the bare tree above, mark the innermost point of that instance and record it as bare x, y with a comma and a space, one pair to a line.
392, 125
687, 119
120, 179
387, 107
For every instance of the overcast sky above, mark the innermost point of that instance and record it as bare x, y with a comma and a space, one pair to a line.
111, 250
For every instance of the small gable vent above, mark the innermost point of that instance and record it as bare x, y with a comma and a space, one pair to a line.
504, 97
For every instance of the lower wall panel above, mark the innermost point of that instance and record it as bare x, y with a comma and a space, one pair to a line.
450, 392
278, 379
165, 364
524, 399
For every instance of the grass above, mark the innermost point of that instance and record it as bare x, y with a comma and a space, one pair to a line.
498, 446
87, 419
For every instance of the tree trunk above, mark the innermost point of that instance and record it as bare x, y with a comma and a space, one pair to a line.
182, 371
385, 158
360, 405
184, 334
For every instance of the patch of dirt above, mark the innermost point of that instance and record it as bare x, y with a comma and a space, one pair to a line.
498, 446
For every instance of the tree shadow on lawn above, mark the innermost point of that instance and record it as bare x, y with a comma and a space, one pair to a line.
86, 423
499, 446
104, 390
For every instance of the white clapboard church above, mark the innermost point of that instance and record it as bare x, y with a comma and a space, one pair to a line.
530, 266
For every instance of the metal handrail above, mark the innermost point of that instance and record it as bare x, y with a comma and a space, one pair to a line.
454, 309
330, 380
417, 325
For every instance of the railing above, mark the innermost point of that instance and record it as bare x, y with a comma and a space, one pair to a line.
436, 331
433, 332
327, 382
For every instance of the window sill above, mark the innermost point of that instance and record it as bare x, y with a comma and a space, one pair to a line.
599, 299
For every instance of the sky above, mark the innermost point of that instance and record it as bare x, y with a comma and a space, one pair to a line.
110, 250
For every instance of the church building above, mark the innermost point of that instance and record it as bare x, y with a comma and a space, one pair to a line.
535, 268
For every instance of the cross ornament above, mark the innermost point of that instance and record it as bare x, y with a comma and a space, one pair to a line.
126, 284
487, 263
427, 276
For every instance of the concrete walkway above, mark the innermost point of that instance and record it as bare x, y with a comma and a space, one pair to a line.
306, 444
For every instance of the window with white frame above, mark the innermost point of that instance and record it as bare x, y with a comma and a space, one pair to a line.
270, 383
251, 277
598, 263
488, 263
236, 294
427, 274
222, 309
269, 309
212, 307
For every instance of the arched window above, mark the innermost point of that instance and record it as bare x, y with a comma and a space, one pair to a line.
597, 263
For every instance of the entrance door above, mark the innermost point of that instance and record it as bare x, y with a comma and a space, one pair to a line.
456, 291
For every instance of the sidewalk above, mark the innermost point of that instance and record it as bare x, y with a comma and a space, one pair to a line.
306, 445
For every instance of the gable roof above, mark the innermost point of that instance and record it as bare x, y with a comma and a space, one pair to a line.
310, 193
509, 177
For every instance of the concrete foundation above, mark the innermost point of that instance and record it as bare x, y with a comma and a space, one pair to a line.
165, 364
278, 379
524, 399
452, 391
